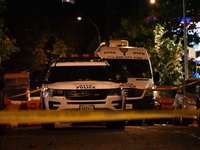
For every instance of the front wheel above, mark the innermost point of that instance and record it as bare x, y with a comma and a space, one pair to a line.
48, 126
119, 125
135, 122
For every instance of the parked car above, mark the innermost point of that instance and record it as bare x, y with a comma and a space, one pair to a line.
186, 98
164, 99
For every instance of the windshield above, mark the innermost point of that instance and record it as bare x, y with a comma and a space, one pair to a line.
135, 68
79, 73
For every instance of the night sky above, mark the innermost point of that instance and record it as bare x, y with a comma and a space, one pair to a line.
22, 16
32, 22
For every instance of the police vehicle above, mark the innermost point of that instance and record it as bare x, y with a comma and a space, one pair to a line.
76, 83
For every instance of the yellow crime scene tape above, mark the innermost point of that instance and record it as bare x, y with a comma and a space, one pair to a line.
43, 116
72, 116
18, 95
155, 89
169, 88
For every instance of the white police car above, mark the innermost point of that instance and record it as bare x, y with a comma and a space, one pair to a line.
83, 85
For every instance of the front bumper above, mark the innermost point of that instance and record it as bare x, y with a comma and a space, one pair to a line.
60, 103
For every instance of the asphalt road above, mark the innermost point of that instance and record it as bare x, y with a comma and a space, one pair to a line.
157, 137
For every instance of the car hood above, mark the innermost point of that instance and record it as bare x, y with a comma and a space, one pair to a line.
72, 85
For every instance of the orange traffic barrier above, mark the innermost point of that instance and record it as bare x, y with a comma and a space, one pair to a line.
23, 105
10, 105
33, 105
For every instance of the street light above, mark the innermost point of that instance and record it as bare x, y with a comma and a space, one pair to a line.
152, 1
185, 39
99, 36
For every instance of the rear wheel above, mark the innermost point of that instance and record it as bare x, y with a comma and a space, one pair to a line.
119, 125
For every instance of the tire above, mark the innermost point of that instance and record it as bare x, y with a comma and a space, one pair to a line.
135, 122
150, 122
117, 125
48, 126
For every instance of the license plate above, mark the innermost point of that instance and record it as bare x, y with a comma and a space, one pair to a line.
86, 107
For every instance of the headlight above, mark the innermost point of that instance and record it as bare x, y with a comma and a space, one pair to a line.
190, 101
114, 92
53, 92
157, 103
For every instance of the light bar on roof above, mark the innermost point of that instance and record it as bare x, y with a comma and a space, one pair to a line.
77, 55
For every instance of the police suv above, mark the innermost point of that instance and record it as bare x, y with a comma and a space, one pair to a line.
74, 83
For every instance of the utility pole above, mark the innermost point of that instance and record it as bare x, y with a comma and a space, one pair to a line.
185, 42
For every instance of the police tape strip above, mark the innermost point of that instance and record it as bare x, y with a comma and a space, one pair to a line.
170, 88
34, 91
155, 89
72, 116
